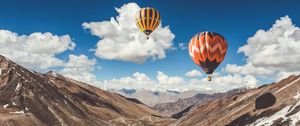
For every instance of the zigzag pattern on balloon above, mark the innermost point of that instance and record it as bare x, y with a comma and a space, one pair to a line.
207, 46
194, 51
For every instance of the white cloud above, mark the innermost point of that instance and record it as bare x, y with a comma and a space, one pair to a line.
237, 80
122, 40
284, 74
193, 73
38, 51
223, 83
80, 68
272, 52
248, 69
137, 81
35, 51
165, 82
182, 46
165, 79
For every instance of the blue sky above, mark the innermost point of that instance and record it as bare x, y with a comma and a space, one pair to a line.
236, 20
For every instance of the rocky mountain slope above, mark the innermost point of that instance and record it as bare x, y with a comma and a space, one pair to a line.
183, 105
277, 104
29, 98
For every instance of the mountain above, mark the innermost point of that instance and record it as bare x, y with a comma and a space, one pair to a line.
151, 98
29, 98
181, 106
276, 104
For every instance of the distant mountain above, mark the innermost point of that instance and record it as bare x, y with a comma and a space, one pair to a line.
176, 108
151, 98
29, 98
277, 104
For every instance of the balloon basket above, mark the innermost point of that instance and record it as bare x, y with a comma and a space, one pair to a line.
209, 78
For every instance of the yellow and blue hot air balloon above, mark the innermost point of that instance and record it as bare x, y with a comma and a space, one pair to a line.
147, 20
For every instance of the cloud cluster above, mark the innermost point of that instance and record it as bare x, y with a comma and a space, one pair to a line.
120, 39
272, 53
223, 83
248, 69
164, 79
37, 50
80, 68
165, 82
193, 73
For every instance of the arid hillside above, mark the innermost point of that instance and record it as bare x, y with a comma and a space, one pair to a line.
29, 98
275, 104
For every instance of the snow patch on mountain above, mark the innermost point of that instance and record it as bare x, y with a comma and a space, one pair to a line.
297, 96
18, 87
282, 114
5, 106
17, 112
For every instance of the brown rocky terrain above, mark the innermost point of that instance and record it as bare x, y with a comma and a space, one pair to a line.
277, 104
29, 98
182, 106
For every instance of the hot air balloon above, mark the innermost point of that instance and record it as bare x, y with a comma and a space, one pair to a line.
208, 50
147, 20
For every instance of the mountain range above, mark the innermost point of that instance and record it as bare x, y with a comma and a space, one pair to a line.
151, 98
29, 98
178, 107
276, 104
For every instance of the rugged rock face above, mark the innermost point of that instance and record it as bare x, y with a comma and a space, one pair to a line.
29, 98
240, 109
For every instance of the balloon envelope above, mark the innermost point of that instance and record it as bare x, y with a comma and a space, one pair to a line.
147, 20
208, 50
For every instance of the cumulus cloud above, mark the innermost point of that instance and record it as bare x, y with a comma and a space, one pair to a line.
136, 81
165, 79
272, 52
223, 83
120, 39
165, 82
193, 73
36, 51
248, 69
80, 68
